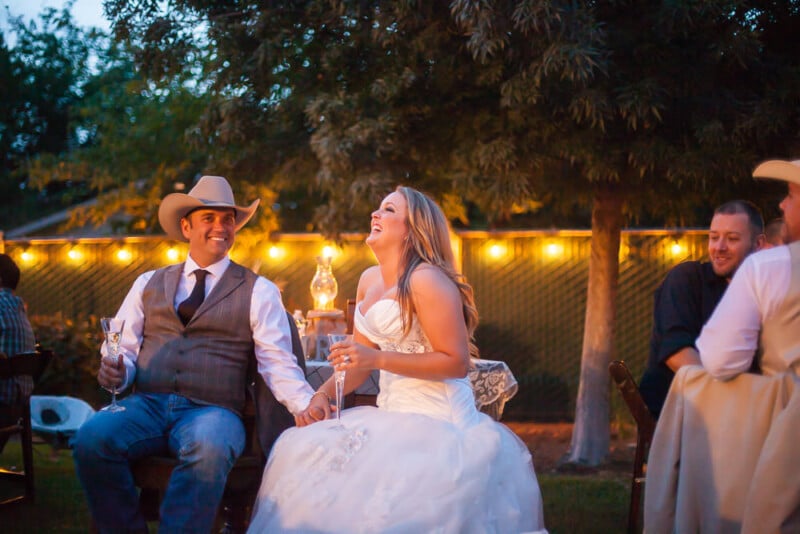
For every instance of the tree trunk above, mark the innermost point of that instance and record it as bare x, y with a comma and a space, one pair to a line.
590, 435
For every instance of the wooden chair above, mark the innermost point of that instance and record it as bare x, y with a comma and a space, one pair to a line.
355, 399
31, 364
152, 473
645, 426
349, 315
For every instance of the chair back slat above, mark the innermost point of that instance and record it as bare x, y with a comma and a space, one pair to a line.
30, 364
645, 427
349, 315
645, 421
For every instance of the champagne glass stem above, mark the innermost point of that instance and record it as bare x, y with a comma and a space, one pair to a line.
114, 350
339, 382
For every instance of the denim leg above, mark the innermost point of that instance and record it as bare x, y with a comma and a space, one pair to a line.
207, 440
102, 450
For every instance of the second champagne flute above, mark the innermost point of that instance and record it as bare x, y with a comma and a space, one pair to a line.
338, 376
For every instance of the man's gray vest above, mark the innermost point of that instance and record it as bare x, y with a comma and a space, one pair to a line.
207, 360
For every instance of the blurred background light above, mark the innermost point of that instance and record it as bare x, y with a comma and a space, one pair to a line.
497, 250
553, 249
276, 252
124, 255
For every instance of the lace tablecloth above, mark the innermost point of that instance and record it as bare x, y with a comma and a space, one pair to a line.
492, 382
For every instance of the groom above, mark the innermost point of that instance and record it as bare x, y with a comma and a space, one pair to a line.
191, 330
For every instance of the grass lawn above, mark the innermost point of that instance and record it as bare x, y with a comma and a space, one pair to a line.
595, 503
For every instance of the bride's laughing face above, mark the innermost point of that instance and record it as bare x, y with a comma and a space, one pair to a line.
388, 224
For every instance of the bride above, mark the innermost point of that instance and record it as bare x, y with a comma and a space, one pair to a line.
426, 460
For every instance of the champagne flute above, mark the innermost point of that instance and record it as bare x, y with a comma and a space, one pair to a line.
112, 328
338, 376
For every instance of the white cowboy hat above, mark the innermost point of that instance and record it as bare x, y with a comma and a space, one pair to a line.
210, 192
778, 169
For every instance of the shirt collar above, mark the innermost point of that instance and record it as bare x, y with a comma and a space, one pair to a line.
216, 269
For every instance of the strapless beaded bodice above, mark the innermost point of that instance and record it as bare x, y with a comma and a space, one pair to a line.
451, 399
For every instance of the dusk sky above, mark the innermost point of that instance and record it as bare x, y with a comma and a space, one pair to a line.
86, 12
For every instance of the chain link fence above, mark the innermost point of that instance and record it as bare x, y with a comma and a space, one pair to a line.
530, 288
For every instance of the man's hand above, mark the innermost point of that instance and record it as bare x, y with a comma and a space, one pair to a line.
318, 409
685, 356
111, 373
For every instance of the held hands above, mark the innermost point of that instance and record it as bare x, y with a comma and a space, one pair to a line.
319, 409
111, 373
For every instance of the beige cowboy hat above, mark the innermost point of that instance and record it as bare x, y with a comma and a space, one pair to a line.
209, 192
779, 169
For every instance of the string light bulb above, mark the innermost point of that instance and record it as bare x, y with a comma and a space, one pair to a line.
677, 249
554, 249
124, 255
496, 250
74, 254
275, 252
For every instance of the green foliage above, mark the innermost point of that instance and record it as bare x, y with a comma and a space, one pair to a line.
76, 346
510, 107
82, 122
666, 99
41, 76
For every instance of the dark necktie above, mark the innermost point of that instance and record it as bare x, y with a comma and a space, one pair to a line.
187, 308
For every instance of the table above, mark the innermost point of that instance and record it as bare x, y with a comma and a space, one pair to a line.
319, 325
492, 383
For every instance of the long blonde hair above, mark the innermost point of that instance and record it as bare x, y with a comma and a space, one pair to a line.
429, 242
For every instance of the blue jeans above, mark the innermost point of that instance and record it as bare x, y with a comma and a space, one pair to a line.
206, 440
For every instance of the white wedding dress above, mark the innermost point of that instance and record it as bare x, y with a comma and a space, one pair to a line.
426, 460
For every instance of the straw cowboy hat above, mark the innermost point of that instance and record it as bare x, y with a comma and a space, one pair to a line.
210, 192
778, 169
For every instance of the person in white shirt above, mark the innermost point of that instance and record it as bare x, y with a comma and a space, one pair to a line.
762, 287
724, 454
191, 332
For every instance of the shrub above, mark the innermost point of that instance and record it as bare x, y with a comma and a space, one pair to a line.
76, 356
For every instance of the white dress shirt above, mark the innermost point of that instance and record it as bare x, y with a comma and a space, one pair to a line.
729, 339
268, 321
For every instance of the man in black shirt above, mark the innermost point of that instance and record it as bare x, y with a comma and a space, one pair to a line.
689, 293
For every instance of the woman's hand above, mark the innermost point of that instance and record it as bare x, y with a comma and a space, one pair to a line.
349, 355
319, 409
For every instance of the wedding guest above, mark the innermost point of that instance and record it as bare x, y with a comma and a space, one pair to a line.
424, 460
191, 331
774, 232
16, 336
757, 305
689, 293
734, 467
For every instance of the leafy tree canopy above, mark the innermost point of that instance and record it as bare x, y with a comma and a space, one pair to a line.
504, 106
82, 122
